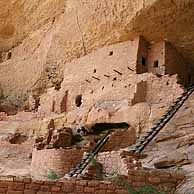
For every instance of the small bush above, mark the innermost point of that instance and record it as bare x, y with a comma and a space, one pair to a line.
52, 175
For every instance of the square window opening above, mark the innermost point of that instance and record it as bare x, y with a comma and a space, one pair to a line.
156, 64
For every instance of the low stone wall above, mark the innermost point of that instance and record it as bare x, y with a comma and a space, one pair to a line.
123, 164
28, 186
162, 180
119, 162
136, 178
60, 161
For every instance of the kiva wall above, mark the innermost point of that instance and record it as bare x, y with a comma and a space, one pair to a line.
61, 161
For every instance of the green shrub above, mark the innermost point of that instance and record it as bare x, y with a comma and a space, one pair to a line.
52, 175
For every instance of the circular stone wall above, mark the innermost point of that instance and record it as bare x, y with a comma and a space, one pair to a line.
59, 161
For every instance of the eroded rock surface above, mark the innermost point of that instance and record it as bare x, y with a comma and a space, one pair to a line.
60, 138
173, 148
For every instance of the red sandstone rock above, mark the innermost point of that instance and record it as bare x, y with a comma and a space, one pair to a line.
16, 138
55, 138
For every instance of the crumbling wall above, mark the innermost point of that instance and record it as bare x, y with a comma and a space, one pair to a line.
140, 93
119, 162
112, 163
158, 90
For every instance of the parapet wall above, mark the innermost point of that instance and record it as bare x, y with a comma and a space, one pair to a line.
162, 181
121, 139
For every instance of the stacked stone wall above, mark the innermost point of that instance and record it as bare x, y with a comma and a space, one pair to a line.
136, 179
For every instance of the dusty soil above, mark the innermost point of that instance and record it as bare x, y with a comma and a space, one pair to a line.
15, 158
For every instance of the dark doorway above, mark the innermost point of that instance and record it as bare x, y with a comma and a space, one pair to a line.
143, 61
9, 54
156, 64
53, 106
78, 100
63, 104
1, 58
99, 127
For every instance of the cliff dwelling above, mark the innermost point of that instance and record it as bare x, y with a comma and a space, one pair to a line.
96, 97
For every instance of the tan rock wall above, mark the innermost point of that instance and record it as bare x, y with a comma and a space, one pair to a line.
158, 90
26, 66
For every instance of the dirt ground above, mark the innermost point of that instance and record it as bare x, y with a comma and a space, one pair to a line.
15, 158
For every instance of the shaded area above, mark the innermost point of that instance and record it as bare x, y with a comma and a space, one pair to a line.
99, 127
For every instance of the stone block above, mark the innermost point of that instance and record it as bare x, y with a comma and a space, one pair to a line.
55, 189
29, 192
15, 192
16, 186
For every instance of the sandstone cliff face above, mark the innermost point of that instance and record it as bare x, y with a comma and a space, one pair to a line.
173, 147
50, 55
54, 33
44, 35
19, 19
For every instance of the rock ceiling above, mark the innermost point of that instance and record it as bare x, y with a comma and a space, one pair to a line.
172, 20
